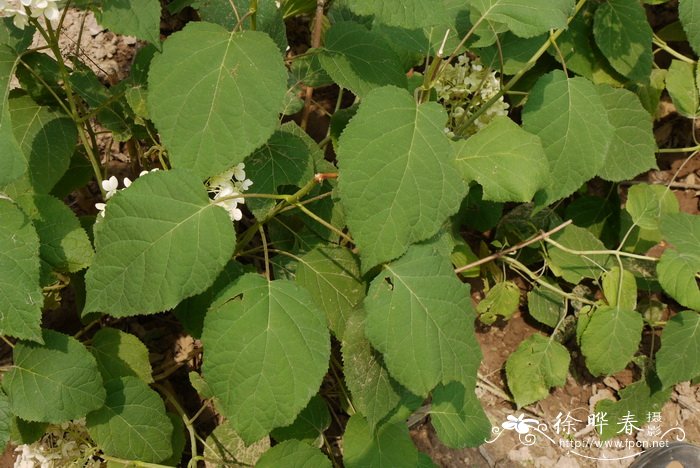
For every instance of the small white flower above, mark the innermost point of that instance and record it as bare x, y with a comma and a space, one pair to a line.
519, 424
239, 171
127, 182
143, 173
101, 208
243, 185
110, 186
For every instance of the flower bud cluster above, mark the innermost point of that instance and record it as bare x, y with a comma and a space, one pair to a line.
111, 186
62, 445
464, 87
227, 188
21, 10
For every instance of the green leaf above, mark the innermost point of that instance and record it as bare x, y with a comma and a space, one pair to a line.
286, 159
389, 445
5, 420
407, 14
601, 216
229, 450
680, 343
558, 110
11, 158
538, 364
47, 139
398, 182
161, 241
623, 34
140, 18
120, 354
267, 351
309, 425
689, 14
506, 160
458, 417
526, 18
332, 277
512, 53
503, 299
633, 148
611, 339
132, 424
682, 230
21, 297
676, 272
577, 49
293, 453
647, 203
26, 432
360, 60
374, 392
177, 440
15, 38
215, 96
681, 86
620, 289
573, 267
54, 382
64, 244
546, 306
636, 400
419, 316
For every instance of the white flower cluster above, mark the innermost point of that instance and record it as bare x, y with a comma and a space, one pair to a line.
21, 10
463, 88
62, 445
111, 186
227, 188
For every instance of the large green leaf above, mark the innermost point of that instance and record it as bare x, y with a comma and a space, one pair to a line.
419, 315
389, 445
458, 417
538, 364
622, 32
689, 14
506, 160
132, 424
215, 96
140, 18
161, 241
120, 354
374, 392
572, 266
64, 244
332, 277
647, 203
293, 453
558, 110
20, 294
47, 139
286, 159
526, 18
682, 87
680, 345
11, 159
682, 230
633, 148
676, 272
398, 182
403, 13
267, 349
360, 60
610, 339
636, 400
54, 382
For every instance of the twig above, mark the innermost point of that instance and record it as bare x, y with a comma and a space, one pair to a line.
315, 44
537, 238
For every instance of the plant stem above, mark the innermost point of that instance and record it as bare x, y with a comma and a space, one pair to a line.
657, 41
185, 419
515, 248
601, 252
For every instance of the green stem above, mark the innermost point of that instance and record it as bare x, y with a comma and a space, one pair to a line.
185, 419
601, 252
690, 149
324, 223
657, 41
